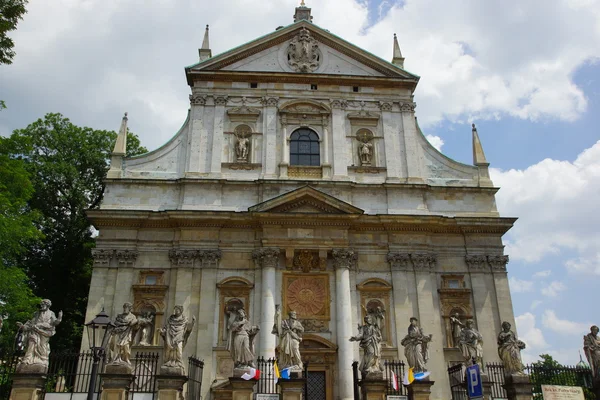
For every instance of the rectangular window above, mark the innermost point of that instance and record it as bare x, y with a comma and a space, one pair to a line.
453, 283
150, 280
355, 89
253, 85
313, 87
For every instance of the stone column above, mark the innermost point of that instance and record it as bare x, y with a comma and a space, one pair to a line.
170, 387
503, 299
343, 259
291, 389
217, 142
340, 151
194, 151
270, 136
116, 386
27, 386
412, 147
285, 150
404, 293
420, 390
267, 259
325, 153
126, 262
394, 153
518, 387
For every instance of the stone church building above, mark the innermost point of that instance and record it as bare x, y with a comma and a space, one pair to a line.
301, 178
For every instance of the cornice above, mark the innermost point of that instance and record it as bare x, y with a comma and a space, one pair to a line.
256, 220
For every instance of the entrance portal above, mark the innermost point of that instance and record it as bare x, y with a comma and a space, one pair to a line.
321, 356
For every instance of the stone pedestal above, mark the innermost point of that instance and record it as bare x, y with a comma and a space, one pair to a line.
27, 386
420, 390
291, 389
487, 386
116, 386
170, 387
241, 389
518, 387
373, 389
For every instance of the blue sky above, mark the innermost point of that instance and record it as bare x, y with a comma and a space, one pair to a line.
526, 72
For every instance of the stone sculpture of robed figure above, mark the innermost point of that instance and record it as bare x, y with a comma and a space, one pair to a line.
289, 332
121, 339
369, 340
591, 348
416, 346
37, 333
240, 340
509, 350
175, 334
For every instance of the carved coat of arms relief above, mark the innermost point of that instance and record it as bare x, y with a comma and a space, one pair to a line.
303, 52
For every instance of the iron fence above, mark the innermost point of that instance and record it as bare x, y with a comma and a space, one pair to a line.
458, 387
393, 374
495, 372
194, 384
563, 375
70, 372
145, 369
266, 381
8, 364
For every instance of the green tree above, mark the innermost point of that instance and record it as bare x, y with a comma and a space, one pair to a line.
11, 12
17, 231
548, 371
67, 165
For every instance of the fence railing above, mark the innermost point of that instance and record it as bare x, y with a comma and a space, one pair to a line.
394, 370
8, 364
266, 381
538, 375
195, 371
145, 369
71, 372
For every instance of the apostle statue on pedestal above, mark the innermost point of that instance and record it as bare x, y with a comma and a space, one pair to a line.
121, 339
36, 334
175, 334
509, 350
471, 344
591, 348
240, 340
289, 332
369, 339
416, 346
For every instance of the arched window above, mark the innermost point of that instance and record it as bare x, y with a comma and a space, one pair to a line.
304, 148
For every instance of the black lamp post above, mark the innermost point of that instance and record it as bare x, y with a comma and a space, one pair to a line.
98, 331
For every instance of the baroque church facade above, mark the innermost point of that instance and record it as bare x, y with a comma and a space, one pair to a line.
301, 178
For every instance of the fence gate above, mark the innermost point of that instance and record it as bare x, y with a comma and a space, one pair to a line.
316, 387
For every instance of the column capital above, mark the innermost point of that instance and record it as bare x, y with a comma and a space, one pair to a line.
209, 258
197, 99
221, 100
498, 263
385, 105
344, 258
476, 263
408, 106
339, 103
126, 257
424, 261
399, 261
102, 257
182, 258
270, 101
266, 256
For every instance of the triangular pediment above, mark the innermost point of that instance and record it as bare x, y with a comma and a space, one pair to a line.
306, 200
301, 47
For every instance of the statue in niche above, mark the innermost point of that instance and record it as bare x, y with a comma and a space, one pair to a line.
509, 350
175, 334
121, 338
370, 341
416, 346
36, 334
241, 148
145, 329
456, 327
591, 348
289, 332
471, 344
377, 313
240, 339
365, 147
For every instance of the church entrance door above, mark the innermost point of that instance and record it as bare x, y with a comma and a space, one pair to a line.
321, 356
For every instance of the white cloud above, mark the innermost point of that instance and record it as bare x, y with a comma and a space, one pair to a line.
520, 286
532, 336
480, 60
542, 274
535, 304
553, 289
435, 141
565, 327
558, 202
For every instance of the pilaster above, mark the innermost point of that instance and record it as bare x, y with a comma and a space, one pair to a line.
196, 134
217, 142
394, 153
340, 150
343, 260
500, 276
404, 293
411, 144
270, 137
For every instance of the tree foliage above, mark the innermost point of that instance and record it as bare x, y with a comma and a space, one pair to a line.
548, 371
11, 12
67, 165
